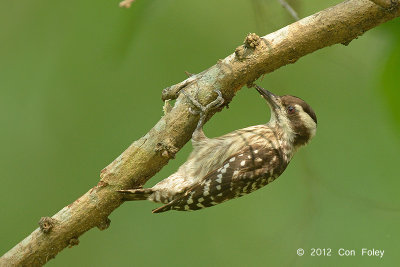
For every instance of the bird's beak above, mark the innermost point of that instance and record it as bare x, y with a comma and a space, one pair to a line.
270, 97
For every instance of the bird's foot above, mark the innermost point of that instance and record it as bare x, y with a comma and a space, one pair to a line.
204, 110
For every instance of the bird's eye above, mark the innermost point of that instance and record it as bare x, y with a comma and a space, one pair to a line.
290, 109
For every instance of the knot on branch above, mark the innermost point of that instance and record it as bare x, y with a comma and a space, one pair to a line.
252, 40
166, 148
173, 91
73, 242
239, 52
104, 224
250, 43
46, 224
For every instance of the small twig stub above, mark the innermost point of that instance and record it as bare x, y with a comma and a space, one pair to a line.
46, 224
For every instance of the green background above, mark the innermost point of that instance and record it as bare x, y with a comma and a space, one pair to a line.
81, 80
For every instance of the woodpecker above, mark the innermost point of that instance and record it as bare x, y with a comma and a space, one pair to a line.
236, 164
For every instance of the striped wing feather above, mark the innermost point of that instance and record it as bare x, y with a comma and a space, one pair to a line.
241, 174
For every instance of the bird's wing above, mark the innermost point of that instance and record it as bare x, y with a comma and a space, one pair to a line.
250, 169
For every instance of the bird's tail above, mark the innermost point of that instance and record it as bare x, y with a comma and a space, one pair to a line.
164, 208
136, 194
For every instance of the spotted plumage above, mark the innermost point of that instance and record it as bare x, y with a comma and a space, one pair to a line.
242, 173
237, 163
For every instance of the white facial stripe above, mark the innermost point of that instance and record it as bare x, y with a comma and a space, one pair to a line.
307, 120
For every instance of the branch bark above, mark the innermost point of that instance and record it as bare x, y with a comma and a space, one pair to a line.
146, 156
386, 3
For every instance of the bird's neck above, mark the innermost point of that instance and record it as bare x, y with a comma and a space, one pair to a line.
286, 138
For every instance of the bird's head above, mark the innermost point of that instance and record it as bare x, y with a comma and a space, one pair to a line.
293, 115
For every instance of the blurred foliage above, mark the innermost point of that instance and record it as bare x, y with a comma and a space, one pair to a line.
79, 81
391, 73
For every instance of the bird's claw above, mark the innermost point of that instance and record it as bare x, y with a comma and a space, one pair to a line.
215, 103
204, 110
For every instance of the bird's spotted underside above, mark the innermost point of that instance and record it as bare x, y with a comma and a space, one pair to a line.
246, 171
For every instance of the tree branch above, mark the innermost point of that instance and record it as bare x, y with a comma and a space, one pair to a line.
386, 3
145, 157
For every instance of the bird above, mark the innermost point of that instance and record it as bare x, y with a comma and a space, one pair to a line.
235, 164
